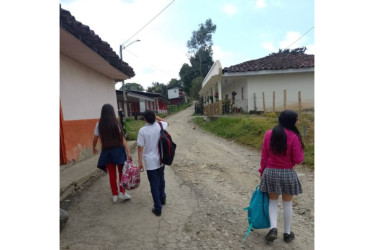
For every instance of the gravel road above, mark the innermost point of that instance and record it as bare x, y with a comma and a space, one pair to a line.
208, 185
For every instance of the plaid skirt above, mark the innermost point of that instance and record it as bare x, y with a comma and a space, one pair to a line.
280, 181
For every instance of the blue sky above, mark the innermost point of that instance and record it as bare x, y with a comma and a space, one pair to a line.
246, 30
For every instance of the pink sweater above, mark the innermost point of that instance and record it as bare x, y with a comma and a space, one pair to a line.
294, 154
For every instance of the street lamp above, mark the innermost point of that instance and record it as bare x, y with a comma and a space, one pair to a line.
122, 47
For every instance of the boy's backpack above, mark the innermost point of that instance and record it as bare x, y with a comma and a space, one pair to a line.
166, 147
258, 211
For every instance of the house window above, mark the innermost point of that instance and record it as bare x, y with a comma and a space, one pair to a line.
242, 93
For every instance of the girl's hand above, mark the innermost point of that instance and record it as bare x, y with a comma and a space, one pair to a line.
95, 151
129, 157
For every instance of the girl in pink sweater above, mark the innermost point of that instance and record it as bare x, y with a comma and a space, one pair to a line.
282, 149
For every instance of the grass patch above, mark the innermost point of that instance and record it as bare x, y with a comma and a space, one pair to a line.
249, 130
174, 108
132, 128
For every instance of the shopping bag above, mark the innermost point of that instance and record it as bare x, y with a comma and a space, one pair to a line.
130, 178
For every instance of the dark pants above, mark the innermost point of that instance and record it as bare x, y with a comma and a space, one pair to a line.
157, 182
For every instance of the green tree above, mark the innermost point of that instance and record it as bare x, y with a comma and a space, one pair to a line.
196, 87
159, 88
175, 83
200, 42
202, 62
187, 74
133, 86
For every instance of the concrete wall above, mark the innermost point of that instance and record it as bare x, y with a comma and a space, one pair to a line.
83, 92
247, 86
173, 93
292, 83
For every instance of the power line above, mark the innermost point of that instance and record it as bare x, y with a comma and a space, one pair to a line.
300, 37
151, 64
150, 21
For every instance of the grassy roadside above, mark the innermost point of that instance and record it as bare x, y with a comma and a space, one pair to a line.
249, 130
133, 126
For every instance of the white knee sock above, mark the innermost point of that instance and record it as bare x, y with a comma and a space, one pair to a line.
287, 216
273, 213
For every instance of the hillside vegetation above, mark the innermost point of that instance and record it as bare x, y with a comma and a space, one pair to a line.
249, 130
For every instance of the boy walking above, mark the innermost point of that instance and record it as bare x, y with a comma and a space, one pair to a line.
148, 137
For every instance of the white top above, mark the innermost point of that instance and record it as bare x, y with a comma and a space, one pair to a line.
96, 131
148, 137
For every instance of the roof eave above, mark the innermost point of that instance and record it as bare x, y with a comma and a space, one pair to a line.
268, 72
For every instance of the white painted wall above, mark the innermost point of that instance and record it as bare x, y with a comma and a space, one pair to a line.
83, 91
142, 106
173, 93
293, 83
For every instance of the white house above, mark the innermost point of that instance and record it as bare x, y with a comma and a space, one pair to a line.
283, 80
173, 93
176, 96
89, 69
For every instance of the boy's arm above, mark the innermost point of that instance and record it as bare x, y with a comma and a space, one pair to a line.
160, 119
140, 158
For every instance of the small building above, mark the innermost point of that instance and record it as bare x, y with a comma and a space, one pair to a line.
283, 80
89, 69
176, 96
138, 101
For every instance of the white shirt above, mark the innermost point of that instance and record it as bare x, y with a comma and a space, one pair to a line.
96, 131
148, 137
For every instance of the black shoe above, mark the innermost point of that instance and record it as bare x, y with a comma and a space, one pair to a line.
163, 201
157, 213
272, 235
288, 237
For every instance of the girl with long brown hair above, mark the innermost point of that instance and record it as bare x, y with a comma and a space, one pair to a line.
114, 149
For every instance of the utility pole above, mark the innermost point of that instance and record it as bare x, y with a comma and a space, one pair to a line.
122, 47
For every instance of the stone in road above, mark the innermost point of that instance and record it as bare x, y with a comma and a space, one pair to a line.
207, 187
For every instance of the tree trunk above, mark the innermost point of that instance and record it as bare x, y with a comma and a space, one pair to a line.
201, 72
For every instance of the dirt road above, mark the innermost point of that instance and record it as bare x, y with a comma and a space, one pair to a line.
207, 187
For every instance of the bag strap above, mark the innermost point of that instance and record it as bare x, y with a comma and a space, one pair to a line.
159, 123
248, 231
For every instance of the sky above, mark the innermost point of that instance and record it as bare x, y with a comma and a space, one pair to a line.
246, 30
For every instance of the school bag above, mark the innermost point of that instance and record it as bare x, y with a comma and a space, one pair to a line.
130, 178
258, 211
166, 147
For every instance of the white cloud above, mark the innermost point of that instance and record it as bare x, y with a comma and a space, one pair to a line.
292, 39
230, 9
260, 4
227, 58
268, 46
311, 49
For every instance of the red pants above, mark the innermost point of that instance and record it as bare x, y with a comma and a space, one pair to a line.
113, 178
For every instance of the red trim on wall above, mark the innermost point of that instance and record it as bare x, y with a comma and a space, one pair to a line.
78, 137
63, 159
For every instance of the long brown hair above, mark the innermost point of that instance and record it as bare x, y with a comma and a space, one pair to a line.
110, 130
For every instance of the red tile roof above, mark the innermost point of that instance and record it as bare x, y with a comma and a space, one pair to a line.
93, 41
275, 61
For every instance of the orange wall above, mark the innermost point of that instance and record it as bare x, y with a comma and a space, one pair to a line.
78, 137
